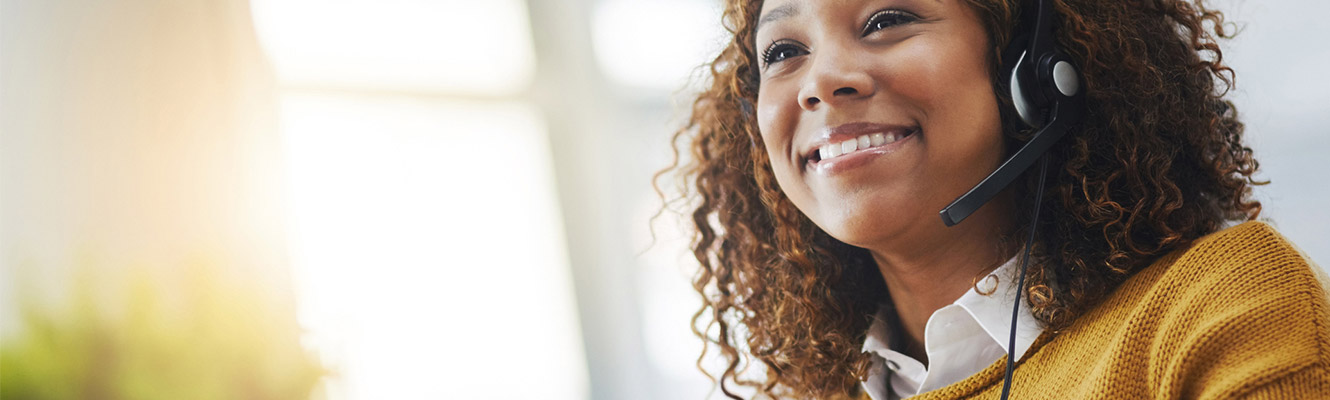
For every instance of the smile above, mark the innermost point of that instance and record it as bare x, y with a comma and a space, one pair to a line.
851, 145
864, 142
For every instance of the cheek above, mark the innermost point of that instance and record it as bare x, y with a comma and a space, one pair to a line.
776, 118
777, 122
945, 76
776, 125
954, 92
767, 119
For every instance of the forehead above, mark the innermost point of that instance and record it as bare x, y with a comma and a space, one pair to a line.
777, 10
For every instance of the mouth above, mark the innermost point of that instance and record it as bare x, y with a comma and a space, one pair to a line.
840, 145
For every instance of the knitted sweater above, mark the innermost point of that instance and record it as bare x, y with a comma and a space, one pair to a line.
1239, 314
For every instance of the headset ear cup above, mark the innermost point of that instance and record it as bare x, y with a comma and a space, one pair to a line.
1014, 50
1011, 61
1025, 108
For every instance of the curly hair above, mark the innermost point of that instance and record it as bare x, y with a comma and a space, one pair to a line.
1158, 162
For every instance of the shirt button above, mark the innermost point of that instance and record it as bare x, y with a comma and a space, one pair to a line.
893, 365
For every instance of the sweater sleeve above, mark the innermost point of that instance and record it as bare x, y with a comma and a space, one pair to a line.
1308, 383
1312, 382
1256, 325
1270, 349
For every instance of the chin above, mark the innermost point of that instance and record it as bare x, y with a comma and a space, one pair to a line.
869, 222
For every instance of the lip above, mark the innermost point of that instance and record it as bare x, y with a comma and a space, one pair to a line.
849, 131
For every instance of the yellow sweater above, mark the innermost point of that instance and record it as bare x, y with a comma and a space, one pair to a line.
1239, 314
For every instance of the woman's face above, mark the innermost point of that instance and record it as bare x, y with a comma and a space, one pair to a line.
876, 114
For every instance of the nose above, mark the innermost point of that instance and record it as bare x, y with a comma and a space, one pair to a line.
833, 78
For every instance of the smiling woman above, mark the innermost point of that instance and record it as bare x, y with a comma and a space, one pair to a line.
833, 132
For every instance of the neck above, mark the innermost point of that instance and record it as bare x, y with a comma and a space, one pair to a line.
925, 275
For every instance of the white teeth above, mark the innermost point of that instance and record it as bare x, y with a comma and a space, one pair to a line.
833, 150
849, 146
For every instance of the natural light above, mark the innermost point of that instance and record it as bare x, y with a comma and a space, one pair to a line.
425, 233
441, 46
427, 245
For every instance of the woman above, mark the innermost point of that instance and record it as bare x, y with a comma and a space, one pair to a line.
834, 131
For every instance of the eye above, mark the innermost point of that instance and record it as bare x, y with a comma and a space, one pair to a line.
888, 18
780, 51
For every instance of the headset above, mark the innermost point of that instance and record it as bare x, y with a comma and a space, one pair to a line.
1046, 89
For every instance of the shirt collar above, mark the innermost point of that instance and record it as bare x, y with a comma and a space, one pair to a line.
993, 311
988, 305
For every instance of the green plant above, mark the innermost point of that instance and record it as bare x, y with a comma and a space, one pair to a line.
193, 332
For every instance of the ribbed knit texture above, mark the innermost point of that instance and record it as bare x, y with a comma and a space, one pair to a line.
1240, 314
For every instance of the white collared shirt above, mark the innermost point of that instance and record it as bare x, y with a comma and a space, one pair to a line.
960, 339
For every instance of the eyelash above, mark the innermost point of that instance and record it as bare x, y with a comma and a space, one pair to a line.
776, 48
895, 17
875, 23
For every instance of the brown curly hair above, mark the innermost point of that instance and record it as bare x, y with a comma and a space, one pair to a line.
1158, 162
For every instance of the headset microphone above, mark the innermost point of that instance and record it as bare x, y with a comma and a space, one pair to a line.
1045, 87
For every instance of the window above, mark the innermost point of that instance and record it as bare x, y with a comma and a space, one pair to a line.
425, 234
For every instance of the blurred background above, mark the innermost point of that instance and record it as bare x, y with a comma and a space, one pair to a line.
407, 199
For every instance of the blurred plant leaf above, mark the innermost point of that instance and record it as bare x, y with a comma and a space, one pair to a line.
193, 332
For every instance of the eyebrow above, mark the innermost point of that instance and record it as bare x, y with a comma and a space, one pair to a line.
785, 11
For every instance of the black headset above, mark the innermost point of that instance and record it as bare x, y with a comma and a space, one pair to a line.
1047, 90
